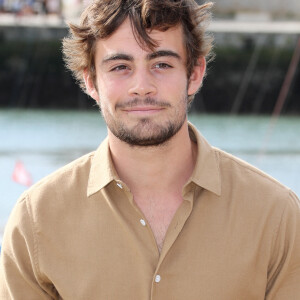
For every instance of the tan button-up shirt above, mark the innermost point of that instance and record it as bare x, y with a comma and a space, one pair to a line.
78, 235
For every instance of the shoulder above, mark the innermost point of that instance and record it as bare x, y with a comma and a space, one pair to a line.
67, 175
250, 185
61, 186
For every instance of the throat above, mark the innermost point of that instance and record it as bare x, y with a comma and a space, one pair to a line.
159, 215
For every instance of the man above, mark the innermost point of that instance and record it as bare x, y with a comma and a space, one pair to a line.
155, 212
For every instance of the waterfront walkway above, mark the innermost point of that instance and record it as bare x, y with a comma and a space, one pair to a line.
238, 26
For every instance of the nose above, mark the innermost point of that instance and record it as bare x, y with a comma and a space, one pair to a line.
142, 84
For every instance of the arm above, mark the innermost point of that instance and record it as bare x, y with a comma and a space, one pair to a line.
284, 269
19, 270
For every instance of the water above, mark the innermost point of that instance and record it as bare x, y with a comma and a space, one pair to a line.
47, 140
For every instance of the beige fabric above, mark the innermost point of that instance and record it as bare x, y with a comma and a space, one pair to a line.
78, 235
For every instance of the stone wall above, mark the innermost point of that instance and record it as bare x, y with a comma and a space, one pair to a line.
245, 77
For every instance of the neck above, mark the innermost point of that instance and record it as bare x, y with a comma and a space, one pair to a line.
160, 168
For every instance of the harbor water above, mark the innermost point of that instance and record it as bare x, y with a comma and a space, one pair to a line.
46, 140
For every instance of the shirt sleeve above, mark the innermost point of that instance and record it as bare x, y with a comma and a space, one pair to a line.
19, 272
284, 268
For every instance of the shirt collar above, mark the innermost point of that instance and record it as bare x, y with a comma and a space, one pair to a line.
206, 173
102, 170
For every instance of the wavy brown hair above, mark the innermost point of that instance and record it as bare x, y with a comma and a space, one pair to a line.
103, 17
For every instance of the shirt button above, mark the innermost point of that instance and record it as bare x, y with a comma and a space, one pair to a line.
143, 222
119, 185
157, 278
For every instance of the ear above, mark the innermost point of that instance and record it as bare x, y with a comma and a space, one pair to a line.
197, 75
89, 85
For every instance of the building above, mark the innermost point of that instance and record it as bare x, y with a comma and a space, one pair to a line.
272, 9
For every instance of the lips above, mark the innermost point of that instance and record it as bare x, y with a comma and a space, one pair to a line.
143, 109
138, 104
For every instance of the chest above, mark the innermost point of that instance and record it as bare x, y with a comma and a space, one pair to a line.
211, 258
207, 267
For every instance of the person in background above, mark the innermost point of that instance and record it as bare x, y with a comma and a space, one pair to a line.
155, 212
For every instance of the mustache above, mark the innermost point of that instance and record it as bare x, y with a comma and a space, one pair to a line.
142, 102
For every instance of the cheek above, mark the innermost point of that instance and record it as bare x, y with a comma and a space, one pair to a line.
112, 90
175, 86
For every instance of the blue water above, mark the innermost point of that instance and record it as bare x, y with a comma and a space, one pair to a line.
47, 140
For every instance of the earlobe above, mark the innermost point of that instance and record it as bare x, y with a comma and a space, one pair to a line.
90, 87
196, 78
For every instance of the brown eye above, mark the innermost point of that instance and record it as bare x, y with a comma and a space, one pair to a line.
119, 68
162, 66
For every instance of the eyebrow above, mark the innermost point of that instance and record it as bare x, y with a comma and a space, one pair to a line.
150, 56
162, 53
117, 56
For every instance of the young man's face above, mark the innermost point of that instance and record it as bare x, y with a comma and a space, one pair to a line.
143, 94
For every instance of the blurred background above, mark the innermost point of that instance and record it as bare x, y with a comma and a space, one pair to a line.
249, 104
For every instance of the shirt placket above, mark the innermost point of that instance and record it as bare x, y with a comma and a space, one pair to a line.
140, 221
173, 231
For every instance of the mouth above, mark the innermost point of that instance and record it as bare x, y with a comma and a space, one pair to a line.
147, 106
143, 110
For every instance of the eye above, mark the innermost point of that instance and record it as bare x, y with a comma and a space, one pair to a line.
162, 66
119, 68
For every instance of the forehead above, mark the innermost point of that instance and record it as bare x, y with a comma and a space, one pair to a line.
123, 40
